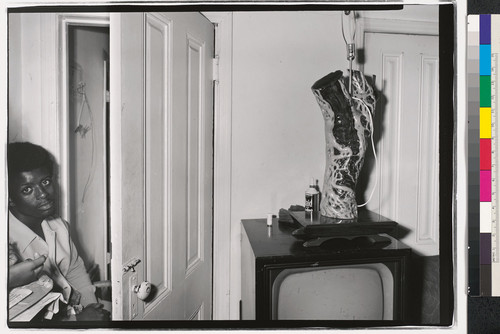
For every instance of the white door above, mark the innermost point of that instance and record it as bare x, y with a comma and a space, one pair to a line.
406, 134
161, 196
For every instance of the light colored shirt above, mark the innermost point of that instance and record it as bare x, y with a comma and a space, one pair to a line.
63, 263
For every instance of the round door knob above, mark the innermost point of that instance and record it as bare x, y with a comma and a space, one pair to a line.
143, 290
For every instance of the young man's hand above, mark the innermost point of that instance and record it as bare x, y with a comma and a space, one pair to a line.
25, 272
93, 312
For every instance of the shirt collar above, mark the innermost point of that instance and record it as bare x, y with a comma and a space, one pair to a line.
22, 235
19, 233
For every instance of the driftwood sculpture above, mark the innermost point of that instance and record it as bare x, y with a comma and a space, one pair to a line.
348, 129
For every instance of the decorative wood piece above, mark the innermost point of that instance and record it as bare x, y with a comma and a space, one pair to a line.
348, 128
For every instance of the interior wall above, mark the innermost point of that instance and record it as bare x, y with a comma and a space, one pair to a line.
25, 93
33, 92
278, 135
15, 78
88, 48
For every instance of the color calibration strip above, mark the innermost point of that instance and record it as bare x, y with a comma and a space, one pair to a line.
485, 153
473, 107
495, 122
483, 49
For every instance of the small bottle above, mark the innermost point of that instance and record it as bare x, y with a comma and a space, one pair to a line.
312, 197
269, 219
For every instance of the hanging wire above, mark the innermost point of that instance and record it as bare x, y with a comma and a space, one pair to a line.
82, 130
350, 45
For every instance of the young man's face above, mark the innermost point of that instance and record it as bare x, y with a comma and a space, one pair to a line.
32, 194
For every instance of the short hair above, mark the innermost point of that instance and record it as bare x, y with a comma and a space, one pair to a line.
26, 156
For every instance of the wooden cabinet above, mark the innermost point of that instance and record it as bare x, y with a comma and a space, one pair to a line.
272, 254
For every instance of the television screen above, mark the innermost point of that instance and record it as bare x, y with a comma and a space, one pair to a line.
347, 292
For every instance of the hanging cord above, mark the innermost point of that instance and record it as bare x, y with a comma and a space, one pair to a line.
351, 47
82, 130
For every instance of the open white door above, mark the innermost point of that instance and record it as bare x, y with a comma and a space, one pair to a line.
407, 73
161, 164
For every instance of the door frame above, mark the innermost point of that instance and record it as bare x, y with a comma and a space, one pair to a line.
64, 21
223, 234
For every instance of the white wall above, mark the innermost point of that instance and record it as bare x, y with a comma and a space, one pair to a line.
15, 79
24, 71
277, 128
278, 137
32, 79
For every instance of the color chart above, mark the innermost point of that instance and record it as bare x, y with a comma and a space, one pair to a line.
483, 48
473, 107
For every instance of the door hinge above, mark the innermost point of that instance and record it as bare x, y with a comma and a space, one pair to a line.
215, 69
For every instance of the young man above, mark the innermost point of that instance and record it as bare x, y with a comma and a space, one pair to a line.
39, 240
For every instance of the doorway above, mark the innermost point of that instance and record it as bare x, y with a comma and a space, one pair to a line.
88, 115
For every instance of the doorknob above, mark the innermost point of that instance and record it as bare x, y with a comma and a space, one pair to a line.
142, 290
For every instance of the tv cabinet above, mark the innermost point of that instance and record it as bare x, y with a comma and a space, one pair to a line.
266, 251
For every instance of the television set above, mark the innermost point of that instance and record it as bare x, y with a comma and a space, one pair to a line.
359, 278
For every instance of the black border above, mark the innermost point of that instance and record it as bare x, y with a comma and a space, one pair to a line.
197, 7
446, 159
483, 7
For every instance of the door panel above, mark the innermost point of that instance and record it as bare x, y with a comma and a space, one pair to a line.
167, 117
158, 114
194, 231
406, 134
